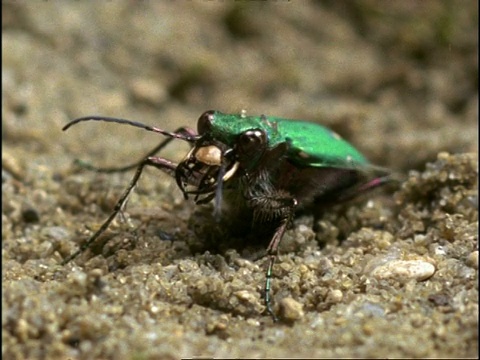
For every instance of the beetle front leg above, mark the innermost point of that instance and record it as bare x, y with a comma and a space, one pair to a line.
272, 252
159, 163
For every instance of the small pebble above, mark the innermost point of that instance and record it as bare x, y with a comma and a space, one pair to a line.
472, 259
245, 295
405, 269
335, 296
291, 310
55, 232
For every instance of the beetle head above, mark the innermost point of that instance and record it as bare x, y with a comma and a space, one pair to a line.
212, 162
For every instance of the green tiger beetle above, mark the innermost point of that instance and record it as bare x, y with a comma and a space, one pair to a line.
277, 165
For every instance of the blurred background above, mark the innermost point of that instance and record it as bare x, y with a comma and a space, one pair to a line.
392, 77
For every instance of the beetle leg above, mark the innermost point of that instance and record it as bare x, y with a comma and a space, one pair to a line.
378, 181
159, 163
270, 204
368, 186
272, 252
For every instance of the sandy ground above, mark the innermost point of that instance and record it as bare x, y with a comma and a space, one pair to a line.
394, 275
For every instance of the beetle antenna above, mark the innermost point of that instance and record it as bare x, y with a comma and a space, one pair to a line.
186, 137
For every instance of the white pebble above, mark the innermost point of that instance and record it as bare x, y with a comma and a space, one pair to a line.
405, 269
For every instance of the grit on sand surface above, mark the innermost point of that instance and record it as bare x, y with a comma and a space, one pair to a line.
393, 274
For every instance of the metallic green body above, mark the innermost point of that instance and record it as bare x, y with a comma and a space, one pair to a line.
311, 144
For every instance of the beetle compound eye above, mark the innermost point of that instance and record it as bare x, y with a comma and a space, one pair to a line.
204, 123
250, 147
252, 139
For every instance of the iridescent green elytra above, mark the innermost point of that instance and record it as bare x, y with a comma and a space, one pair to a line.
275, 166
311, 144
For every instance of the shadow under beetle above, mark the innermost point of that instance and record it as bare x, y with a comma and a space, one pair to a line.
276, 165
